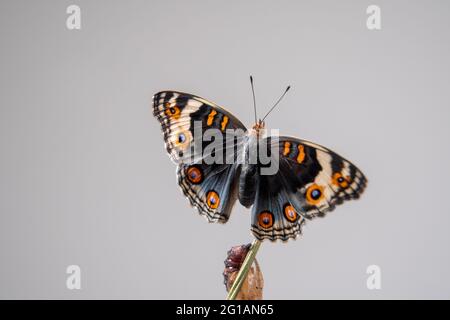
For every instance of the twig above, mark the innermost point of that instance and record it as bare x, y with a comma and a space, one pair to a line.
243, 271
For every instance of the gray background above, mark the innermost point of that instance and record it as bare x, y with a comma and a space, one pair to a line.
84, 177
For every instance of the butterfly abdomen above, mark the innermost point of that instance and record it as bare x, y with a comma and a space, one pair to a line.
247, 185
249, 172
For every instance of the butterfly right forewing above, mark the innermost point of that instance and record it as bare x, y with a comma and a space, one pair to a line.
317, 178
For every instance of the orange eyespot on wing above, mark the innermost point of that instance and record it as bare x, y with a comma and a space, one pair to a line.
181, 138
301, 153
172, 112
265, 219
290, 213
212, 199
340, 181
194, 174
314, 194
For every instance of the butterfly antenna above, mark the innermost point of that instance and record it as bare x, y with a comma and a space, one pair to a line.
254, 99
276, 103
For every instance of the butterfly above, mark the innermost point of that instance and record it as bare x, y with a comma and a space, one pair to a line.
310, 179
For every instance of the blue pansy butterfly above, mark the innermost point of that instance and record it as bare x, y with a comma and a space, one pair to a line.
310, 181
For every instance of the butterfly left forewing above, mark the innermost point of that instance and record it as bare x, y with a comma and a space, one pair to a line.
180, 114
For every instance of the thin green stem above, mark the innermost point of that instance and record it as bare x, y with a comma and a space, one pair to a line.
243, 271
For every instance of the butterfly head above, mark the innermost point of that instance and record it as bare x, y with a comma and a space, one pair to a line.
259, 127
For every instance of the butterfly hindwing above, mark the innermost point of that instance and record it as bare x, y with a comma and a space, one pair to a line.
209, 186
273, 215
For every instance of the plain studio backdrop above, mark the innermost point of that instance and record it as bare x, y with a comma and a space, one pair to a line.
85, 179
